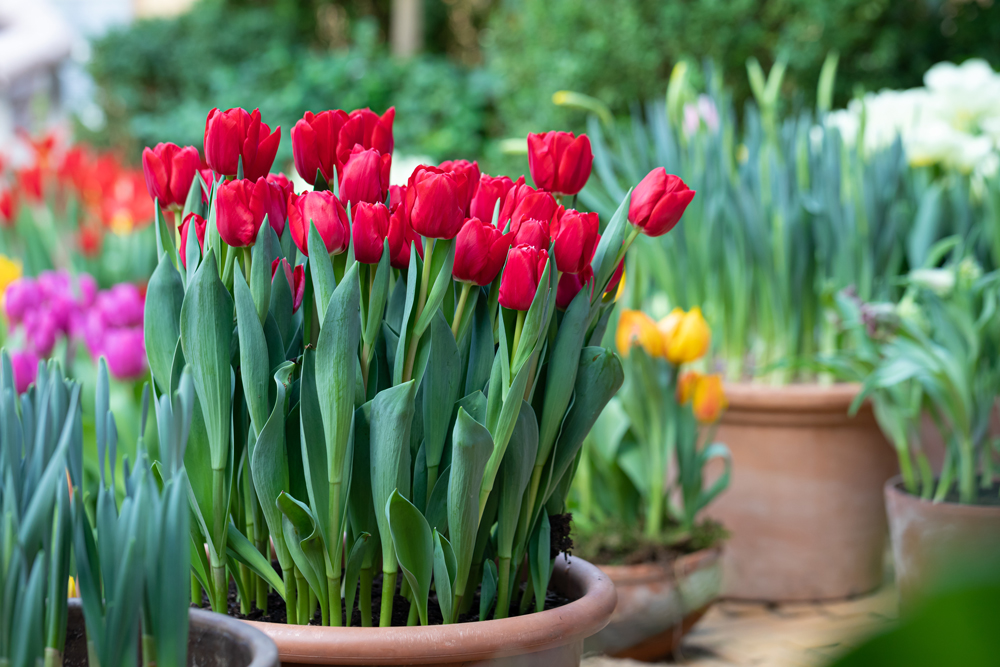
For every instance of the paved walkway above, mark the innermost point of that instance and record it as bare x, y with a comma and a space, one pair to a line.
739, 634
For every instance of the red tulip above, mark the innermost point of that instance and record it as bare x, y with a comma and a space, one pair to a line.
369, 227
467, 176
169, 170
29, 182
570, 285
235, 133
432, 203
616, 278
329, 216
401, 235
314, 144
284, 184
559, 161
397, 195
365, 177
296, 279
199, 230
8, 207
658, 202
576, 237
532, 232
490, 190
242, 205
521, 276
523, 203
480, 252
367, 129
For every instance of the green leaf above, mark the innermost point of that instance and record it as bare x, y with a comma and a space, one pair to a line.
352, 572
514, 476
414, 548
609, 246
471, 449
539, 563
263, 252
313, 444
321, 269
488, 590
161, 320
240, 548
440, 389
360, 507
444, 575
437, 291
481, 350
391, 414
399, 360
378, 296
437, 506
306, 546
255, 363
535, 318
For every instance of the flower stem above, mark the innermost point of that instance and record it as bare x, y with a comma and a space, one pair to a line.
460, 308
518, 327
425, 279
388, 592
365, 597
247, 259
503, 591
290, 602
627, 244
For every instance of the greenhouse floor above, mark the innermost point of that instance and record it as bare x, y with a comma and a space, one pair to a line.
787, 635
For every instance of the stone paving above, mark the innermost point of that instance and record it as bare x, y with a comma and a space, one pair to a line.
741, 634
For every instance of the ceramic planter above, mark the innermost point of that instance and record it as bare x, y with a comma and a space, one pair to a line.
930, 540
658, 603
804, 505
214, 640
552, 638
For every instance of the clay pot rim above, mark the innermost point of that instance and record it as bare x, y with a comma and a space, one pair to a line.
894, 490
797, 397
643, 573
460, 642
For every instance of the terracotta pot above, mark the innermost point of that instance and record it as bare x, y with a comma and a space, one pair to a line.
552, 638
214, 640
657, 605
931, 540
804, 505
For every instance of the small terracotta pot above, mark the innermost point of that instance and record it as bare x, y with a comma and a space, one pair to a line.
658, 603
931, 540
552, 638
804, 505
214, 640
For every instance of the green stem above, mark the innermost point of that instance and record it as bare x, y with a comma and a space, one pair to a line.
196, 597
336, 617
425, 279
247, 258
365, 597
388, 592
148, 651
526, 597
248, 586
518, 327
221, 602
503, 590
290, 602
262, 588
302, 610
411, 616
53, 658
633, 233
460, 308
966, 472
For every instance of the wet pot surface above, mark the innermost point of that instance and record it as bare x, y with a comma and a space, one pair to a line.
658, 603
552, 638
804, 506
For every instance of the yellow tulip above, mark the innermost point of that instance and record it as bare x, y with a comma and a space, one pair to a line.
709, 400
10, 270
686, 385
637, 328
687, 336
71, 589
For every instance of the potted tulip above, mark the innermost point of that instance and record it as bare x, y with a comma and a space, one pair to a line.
400, 406
639, 494
935, 352
129, 558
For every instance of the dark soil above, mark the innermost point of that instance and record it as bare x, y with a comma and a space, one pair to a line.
560, 540
985, 497
277, 613
628, 545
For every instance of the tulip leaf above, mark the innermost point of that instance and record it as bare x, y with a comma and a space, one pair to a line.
539, 562
360, 506
192, 254
514, 476
352, 573
488, 590
254, 359
469, 311
260, 268
414, 548
606, 256
313, 444
164, 240
505, 423
321, 269
472, 445
564, 359
438, 290
399, 360
281, 305
391, 414
378, 296
535, 318
306, 546
242, 550
445, 567
437, 505
161, 320
440, 391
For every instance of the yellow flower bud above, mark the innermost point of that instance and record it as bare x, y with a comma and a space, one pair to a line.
687, 336
637, 328
71, 589
10, 270
709, 400
685, 386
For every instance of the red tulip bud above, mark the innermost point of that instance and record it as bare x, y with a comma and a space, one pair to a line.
370, 226
284, 184
295, 278
658, 202
559, 161
575, 235
397, 195
232, 134
401, 235
490, 190
8, 207
521, 276
480, 252
523, 203
467, 176
199, 230
367, 129
169, 170
432, 203
365, 177
570, 285
329, 216
532, 232
242, 205
314, 144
